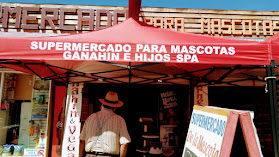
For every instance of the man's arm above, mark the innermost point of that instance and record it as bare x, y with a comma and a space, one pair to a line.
123, 149
81, 148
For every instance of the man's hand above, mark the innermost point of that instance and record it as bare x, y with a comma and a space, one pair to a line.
123, 149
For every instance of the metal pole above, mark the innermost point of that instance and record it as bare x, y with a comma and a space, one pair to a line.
190, 100
271, 85
2, 86
130, 73
65, 108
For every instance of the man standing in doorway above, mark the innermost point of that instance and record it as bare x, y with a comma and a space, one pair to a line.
105, 133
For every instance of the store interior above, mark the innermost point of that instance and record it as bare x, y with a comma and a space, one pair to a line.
25, 105
145, 102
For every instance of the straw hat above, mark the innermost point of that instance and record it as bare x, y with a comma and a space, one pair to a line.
111, 100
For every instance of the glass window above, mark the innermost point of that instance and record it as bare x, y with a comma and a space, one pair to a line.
23, 115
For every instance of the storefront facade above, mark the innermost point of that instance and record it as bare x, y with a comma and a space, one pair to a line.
76, 19
18, 19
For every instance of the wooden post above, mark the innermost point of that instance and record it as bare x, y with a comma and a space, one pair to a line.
249, 134
229, 134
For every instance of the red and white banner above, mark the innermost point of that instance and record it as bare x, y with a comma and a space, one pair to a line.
70, 146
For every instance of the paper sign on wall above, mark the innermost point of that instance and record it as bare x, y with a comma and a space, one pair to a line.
201, 95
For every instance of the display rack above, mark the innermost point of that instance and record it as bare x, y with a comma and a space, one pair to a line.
40, 105
149, 136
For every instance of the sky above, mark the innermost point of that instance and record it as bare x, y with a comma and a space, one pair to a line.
256, 5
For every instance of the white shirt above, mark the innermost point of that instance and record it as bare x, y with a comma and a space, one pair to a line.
114, 132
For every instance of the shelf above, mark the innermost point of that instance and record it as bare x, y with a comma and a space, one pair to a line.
150, 136
40, 108
39, 116
40, 104
145, 119
142, 151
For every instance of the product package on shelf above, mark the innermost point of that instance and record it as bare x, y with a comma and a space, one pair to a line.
7, 150
40, 99
18, 150
156, 148
169, 138
11, 150
41, 113
42, 139
1, 150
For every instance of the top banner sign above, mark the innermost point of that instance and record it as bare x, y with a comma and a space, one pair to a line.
133, 41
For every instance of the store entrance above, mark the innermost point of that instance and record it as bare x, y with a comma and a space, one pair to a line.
252, 99
147, 101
